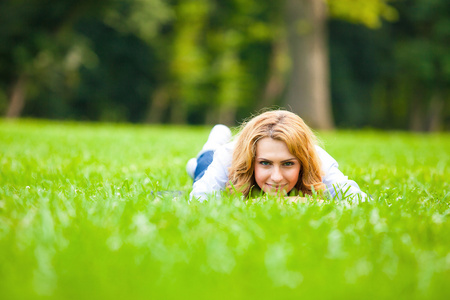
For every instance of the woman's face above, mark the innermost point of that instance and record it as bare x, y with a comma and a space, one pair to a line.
276, 169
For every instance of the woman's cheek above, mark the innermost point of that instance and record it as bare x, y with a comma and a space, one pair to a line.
260, 176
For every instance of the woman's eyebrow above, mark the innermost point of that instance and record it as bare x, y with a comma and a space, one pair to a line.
286, 160
262, 158
290, 159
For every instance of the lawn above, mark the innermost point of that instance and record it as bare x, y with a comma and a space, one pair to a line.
100, 211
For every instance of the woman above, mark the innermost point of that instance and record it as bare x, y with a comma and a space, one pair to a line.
274, 153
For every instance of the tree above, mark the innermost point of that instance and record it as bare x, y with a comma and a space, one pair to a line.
37, 35
209, 49
422, 57
308, 89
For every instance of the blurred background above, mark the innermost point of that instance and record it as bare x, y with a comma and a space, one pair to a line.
337, 63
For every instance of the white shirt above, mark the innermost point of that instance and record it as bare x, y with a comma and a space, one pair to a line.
216, 176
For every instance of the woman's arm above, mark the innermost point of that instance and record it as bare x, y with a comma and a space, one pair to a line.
338, 185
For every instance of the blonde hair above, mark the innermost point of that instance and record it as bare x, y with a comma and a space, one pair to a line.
280, 125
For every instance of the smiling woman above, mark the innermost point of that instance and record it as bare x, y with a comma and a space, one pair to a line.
283, 136
275, 153
276, 169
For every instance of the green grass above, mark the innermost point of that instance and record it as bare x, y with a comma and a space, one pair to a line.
80, 217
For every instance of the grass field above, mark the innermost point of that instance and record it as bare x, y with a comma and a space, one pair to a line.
81, 217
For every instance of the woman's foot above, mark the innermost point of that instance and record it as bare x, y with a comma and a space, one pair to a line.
191, 166
219, 135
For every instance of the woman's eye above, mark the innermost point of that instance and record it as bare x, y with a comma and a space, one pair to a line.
289, 163
264, 163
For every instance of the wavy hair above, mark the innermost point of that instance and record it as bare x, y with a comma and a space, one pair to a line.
280, 125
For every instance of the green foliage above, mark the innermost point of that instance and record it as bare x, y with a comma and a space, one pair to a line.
420, 65
396, 76
91, 211
424, 54
367, 12
40, 46
209, 61
142, 17
213, 46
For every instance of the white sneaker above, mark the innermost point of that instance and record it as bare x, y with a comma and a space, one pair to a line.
219, 135
191, 166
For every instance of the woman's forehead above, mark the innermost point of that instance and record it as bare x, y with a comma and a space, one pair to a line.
269, 148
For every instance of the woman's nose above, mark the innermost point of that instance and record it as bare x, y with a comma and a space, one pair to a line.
276, 175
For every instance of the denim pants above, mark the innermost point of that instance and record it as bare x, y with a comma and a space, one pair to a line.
203, 162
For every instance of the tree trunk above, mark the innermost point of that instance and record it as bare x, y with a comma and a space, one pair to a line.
210, 117
227, 115
178, 112
17, 99
158, 107
308, 92
435, 112
417, 111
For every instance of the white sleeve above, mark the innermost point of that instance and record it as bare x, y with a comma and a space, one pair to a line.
338, 185
216, 175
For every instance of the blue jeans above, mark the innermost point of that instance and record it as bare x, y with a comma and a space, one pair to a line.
203, 162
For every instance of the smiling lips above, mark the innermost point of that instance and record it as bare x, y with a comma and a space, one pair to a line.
276, 187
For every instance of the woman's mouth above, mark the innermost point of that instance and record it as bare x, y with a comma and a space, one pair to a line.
276, 187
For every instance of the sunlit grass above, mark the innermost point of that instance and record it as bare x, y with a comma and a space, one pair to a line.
85, 213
